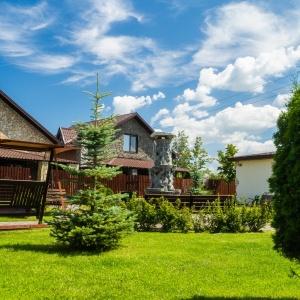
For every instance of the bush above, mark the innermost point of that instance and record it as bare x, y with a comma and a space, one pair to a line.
257, 216
145, 213
232, 217
95, 221
160, 214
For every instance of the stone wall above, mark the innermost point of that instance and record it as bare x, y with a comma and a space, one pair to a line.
13, 126
145, 143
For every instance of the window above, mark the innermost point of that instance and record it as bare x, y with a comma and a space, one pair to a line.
130, 143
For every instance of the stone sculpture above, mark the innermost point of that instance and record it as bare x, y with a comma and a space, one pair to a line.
162, 171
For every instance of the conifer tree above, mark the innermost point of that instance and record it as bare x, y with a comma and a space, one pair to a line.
285, 181
98, 218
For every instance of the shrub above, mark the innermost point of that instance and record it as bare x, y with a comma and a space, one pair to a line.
201, 221
160, 214
257, 216
96, 221
145, 213
232, 217
184, 221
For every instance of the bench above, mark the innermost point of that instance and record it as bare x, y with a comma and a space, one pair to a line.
22, 196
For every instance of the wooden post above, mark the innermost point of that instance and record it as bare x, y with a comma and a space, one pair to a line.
42, 207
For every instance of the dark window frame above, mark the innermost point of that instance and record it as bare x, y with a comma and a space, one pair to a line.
137, 142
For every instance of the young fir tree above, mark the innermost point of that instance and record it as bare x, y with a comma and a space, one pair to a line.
285, 180
198, 163
98, 220
226, 166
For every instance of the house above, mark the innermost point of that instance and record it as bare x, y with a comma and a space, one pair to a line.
17, 125
252, 174
134, 146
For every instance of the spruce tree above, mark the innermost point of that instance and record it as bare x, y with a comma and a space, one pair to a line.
285, 181
97, 219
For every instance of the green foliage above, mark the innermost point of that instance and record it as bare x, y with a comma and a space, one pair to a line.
96, 221
232, 217
226, 166
145, 212
198, 163
180, 146
96, 139
285, 180
160, 214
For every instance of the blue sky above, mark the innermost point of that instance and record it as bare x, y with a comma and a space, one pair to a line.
219, 69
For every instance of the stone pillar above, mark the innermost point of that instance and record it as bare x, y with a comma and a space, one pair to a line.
162, 172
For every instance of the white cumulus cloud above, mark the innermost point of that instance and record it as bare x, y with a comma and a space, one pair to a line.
126, 104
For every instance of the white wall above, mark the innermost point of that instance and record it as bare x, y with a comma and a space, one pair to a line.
252, 177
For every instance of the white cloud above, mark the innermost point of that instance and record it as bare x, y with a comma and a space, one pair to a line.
19, 27
281, 100
246, 74
162, 112
244, 29
49, 63
242, 124
126, 104
139, 59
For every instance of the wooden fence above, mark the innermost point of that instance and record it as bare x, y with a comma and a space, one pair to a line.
16, 173
120, 184
221, 187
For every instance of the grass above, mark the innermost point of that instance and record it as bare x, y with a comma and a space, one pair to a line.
147, 266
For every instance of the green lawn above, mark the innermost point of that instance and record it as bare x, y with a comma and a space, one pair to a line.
147, 266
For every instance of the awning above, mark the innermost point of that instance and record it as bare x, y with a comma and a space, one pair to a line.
25, 145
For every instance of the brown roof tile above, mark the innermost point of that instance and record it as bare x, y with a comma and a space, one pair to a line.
23, 155
29, 155
131, 163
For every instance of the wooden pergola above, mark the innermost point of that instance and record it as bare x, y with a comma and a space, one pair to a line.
27, 194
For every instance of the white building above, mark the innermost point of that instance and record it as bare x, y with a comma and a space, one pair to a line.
252, 174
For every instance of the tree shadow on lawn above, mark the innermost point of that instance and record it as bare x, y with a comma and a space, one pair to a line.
198, 297
52, 249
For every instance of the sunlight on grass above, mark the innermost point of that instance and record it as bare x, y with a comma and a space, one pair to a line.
147, 266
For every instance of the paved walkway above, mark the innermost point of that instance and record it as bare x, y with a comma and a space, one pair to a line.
21, 225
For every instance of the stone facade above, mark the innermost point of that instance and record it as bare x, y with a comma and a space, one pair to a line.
145, 143
15, 127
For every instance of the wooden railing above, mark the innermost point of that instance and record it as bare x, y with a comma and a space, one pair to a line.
122, 183
194, 202
17, 173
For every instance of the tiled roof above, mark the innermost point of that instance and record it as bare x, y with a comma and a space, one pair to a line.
137, 163
131, 163
28, 155
69, 133
23, 155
